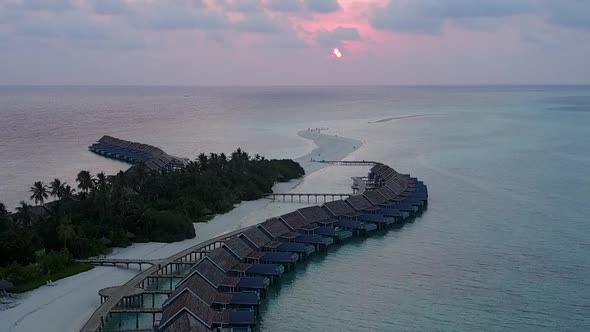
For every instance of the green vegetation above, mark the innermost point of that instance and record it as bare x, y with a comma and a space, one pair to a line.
134, 206
52, 266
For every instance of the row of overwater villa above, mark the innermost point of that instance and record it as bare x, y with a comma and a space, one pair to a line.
218, 285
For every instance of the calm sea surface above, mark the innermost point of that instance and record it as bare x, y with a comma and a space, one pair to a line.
504, 245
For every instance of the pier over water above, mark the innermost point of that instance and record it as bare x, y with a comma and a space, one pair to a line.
218, 284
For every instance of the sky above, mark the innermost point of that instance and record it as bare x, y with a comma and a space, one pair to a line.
292, 42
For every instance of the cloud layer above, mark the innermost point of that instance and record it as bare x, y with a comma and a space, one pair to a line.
225, 41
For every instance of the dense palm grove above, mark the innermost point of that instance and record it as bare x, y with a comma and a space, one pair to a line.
133, 206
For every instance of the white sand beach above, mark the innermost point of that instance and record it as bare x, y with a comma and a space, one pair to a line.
67, 305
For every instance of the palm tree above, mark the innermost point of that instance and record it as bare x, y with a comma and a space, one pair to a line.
67, 191
65, 230
202, 161
3, 215
39, 192
3, 211
24, 213
85, 181
56, 188
101, 182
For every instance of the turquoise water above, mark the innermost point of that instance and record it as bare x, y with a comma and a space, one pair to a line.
504, 244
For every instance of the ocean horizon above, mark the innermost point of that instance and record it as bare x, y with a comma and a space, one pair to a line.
503, 244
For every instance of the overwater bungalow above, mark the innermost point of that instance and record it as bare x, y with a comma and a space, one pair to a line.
347, 217
323, 223
259, 240
279, 230
386, 207
369, 212
224, 283
297, 223
198, 286
190, 313
242, 251
232, 266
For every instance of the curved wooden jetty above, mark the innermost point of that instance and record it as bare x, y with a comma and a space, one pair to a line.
218, 284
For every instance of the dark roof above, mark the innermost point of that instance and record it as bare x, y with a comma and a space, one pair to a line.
279, 257
388, 174
187, 301
256, 236
210, 272
238, 317
374, 197
153, 157
359, 202
185, 322
199, 286
238, 247
243, 298
387, 193
264, 269
222, 258
294, 220
253, 282
274, 227
314, 214
273, 244
339, 208
395, 187
314, 239
375, 169
290, 235
294, 247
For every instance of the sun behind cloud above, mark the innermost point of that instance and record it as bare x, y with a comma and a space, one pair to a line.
336, 52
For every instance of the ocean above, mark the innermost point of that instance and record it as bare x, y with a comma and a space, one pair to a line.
504, 244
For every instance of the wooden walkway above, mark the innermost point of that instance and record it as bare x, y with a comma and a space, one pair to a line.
137, 310
118, 261
347, 163
306, 197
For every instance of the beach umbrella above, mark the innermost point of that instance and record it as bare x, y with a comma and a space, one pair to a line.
6, 285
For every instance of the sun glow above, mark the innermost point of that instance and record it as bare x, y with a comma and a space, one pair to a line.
337, 52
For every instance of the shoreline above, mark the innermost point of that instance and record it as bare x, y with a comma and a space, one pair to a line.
75, 298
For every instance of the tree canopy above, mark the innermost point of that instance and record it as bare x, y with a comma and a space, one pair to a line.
136, 205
